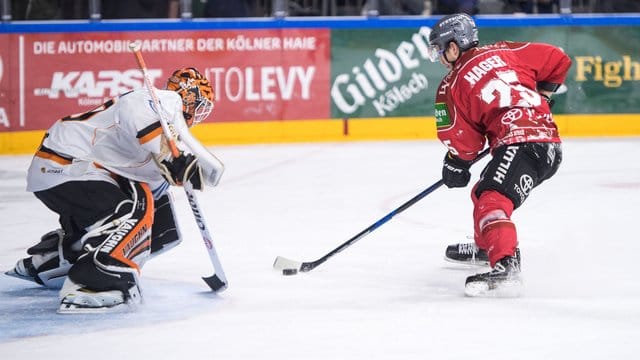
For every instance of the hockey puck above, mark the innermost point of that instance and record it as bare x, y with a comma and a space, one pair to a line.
289, 271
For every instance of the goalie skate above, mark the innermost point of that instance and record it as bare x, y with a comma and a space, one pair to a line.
503, 280
47, 264
23, 270
75, 299
48, 272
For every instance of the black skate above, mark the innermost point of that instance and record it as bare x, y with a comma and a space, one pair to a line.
466, 253
503, 281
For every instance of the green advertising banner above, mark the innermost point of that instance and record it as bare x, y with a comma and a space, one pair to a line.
385, 73
605, 75
382, 73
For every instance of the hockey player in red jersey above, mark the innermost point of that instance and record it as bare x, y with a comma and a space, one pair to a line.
106, 173
500, 95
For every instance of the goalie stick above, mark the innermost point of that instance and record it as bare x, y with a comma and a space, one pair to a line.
218, 281
288, 265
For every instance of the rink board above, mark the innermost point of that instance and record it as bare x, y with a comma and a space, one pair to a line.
302, 80
603, 125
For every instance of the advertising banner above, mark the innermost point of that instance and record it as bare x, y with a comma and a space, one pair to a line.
382, 73
257, 74
385, 73
605, 75
7, 101
272, 75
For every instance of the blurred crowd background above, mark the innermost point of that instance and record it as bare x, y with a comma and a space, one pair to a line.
16, 10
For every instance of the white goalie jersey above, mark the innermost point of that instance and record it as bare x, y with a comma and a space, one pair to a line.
123, 136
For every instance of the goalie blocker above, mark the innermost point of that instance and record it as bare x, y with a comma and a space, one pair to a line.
210, 167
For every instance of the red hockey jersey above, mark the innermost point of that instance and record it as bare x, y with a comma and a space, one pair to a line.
490, 95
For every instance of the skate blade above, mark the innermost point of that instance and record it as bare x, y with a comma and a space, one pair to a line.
506, 289
79, 304
52, 282
71, 309
14, 274
99, 303
470, 263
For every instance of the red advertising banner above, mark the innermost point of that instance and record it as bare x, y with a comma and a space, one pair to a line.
274, 74
8, 105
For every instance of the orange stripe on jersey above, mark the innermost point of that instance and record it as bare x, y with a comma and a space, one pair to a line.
149, 133
113, 175
123, 252
53, 157
150, 136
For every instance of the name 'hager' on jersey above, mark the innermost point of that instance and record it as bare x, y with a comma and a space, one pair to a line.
494, 88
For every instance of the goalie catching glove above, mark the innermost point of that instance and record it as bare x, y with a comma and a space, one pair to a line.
184, 168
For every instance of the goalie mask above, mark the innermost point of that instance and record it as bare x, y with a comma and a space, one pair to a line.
196, 92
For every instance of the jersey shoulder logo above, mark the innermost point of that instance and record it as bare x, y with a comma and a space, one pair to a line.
442, 115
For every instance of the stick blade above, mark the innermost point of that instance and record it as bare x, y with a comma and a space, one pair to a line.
282, 263
215, 283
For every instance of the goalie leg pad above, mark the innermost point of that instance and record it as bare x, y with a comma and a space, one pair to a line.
81, 205
92, 278
129, 244
112, 260
165, 231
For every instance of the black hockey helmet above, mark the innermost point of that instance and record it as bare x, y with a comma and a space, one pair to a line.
459, 28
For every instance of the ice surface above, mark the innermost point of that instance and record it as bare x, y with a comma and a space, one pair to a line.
389, 296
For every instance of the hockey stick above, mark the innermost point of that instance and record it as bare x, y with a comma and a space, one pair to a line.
218, 281
292, 267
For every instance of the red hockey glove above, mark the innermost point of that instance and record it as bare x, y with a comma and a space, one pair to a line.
455, 171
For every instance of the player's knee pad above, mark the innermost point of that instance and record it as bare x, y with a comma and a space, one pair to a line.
165, 232
495, 232
491, 206
114, 253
